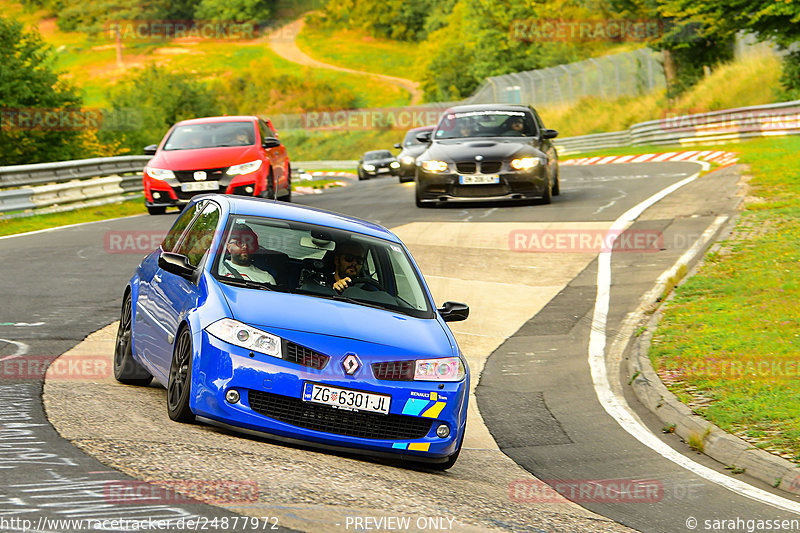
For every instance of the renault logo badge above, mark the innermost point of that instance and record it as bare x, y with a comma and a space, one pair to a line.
351, 364
199, 175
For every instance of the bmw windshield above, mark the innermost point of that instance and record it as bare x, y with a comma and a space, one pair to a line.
317, 261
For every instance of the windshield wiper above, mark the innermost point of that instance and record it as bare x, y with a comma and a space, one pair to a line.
250, 284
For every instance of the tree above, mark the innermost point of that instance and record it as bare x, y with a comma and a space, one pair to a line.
154, 99
233, 10
34, 101
774, 20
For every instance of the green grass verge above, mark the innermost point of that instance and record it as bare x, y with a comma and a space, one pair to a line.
729, 342
346, 48
337, 146
12, 226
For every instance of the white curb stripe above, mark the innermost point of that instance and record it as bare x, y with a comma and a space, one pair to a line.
615, 406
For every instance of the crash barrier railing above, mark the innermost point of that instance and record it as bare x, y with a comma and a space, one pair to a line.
110, 179
714, 127
67, 185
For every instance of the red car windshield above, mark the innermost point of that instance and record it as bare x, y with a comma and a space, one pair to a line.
211, 135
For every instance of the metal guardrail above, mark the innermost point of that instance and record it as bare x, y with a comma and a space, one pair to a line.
23, 175
714, 127
68, 186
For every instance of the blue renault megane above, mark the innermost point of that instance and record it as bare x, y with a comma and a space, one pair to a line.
302, 324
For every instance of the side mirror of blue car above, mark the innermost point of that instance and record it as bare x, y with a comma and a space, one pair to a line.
454, 311
176, 264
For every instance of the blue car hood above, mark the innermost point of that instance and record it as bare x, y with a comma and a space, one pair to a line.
296, 312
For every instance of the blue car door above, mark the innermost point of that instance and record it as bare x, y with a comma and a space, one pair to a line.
147, 329
172, 296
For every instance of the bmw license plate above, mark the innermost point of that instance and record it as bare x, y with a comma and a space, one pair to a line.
352, 400
200, 186
479, 179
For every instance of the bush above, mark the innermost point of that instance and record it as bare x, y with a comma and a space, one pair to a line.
152, 100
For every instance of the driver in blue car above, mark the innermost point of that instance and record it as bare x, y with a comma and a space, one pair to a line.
242, 246
347, 264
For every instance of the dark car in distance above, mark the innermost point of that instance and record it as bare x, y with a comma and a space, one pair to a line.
376, 162
410, 148
232, 155
487, 152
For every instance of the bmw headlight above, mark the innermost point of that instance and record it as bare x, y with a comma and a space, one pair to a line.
244, 168
434, 166
525, 163
368, 167
407, 160
247, 337
445, 369
159, 173
394, 164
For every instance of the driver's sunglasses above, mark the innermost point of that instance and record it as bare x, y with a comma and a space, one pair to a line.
350, 258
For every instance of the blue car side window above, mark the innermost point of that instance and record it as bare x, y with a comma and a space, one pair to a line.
200, 236
177, 229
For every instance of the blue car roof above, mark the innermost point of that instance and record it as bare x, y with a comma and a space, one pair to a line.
241, 205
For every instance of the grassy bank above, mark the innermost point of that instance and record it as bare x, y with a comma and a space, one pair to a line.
13, 226
729, 343
346, 48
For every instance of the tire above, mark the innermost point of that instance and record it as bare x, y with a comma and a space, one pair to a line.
556, 185
156, 210
547, 197
126, 369
179, 385
288, 196
269, 192
361, 175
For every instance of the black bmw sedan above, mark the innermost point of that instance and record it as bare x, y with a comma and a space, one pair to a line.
411, 148
487, 152
375, 163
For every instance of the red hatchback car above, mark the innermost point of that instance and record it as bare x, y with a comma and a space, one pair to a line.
232, 155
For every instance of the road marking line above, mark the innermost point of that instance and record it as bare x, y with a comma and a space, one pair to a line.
616, 406
22, 349
47, 230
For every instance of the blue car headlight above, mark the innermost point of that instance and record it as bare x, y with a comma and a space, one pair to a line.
444, 369
247, 337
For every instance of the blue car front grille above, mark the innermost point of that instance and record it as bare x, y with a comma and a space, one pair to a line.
304, 356
338, 421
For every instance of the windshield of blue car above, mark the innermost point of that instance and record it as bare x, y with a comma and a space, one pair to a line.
485, 124
211, 135
305, 259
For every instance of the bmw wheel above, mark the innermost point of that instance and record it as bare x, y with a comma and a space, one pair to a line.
556, 185
179, 386
126, 369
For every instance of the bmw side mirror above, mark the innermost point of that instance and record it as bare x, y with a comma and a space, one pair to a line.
424, 137
454, 311
549, 134
150, 149
398, 145
176, 264
270, 142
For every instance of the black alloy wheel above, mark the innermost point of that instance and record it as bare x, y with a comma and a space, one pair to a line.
126, 369
180, 379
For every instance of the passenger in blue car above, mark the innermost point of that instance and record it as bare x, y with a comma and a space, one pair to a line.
242, 246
